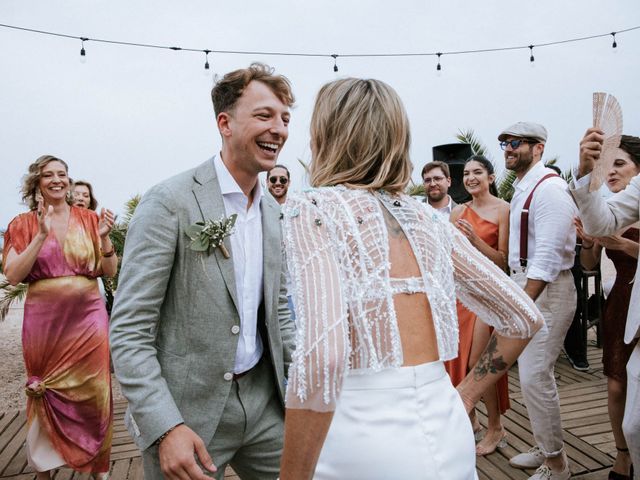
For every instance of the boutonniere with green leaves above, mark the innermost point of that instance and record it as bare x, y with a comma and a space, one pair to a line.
210, 234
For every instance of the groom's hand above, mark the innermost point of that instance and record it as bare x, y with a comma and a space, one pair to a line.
177, 459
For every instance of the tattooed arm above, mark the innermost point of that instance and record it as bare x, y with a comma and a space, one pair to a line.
499, 302
494, 362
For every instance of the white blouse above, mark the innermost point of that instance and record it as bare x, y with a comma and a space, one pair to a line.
337, 251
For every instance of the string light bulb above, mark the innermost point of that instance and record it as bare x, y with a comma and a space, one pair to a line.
614, 45
439, 67
83, 52
206, 59
335, 62
531, 57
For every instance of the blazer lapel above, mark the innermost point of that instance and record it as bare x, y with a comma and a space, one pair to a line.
271, 252
206, 190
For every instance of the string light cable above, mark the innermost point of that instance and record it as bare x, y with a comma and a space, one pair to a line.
332, 56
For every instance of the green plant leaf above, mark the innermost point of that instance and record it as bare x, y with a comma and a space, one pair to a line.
193, 231
199, 244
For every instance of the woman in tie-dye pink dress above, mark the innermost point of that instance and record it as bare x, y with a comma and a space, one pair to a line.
59, 250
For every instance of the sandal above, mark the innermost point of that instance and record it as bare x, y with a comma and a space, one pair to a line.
501, 443
619, 476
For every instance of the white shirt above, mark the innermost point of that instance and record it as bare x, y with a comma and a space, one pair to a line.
552, 234
246, 253
446, 210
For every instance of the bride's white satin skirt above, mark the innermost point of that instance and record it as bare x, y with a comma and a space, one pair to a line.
404, 423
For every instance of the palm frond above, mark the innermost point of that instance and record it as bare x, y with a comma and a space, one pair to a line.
567, 175
10, 293
415, 189
304, 165
118, 236
477, 146
130, 208
505, 185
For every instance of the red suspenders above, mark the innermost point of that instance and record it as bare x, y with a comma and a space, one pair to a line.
524, 222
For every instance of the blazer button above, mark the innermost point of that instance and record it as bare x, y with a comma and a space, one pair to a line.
235, 329
228, 376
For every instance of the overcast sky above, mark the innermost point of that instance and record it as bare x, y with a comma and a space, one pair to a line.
130, 117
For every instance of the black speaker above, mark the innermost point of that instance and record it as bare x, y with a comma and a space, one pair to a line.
454, 155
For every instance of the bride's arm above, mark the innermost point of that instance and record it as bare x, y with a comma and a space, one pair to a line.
498, 301
304, 434
322, 342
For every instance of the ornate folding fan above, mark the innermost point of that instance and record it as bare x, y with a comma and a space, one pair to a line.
607, 116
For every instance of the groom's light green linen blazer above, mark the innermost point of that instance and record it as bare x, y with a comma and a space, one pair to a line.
172, 331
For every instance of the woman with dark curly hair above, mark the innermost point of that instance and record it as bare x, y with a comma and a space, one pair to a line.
60, 250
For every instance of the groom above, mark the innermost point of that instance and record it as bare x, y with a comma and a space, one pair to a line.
201, 340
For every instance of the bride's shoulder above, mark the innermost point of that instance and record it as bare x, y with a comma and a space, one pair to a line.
326, 195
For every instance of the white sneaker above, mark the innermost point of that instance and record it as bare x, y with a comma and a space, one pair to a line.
545, 473
531, 459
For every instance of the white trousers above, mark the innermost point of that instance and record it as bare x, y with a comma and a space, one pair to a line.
631, 420
536, 364
406, 423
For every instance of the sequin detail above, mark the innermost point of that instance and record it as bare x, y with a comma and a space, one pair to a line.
343, 292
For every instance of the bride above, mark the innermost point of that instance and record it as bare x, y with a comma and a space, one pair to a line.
376, 275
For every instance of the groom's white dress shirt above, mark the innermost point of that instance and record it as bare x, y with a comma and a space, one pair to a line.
246, 253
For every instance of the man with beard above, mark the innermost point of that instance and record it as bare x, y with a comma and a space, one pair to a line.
278, 183
437, 180
541, 265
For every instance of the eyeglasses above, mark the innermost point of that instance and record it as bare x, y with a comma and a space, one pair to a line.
283, 180
515, 144
436, 179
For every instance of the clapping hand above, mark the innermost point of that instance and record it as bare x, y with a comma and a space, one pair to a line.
44, 218
177, 458
107, 219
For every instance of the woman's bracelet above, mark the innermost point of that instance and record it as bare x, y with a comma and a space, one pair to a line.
109, 253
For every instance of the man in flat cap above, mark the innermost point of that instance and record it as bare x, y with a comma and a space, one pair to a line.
542, 215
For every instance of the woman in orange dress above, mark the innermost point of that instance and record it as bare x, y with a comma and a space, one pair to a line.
485, 222
60, 250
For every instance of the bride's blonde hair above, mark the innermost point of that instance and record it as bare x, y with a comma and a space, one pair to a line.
360, 136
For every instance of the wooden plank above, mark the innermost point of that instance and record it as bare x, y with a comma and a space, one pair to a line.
5, 420
64, 474
12, 440
120, 470
587, 432
136, 469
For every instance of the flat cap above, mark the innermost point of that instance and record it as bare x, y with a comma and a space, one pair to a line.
531, 130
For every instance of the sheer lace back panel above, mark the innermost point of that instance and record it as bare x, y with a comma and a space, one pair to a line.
338, 255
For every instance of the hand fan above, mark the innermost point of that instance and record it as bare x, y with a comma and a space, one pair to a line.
607, 116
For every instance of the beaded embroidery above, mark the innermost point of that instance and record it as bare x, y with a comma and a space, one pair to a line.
343, 292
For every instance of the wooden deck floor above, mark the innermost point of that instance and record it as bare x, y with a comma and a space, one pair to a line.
583, 398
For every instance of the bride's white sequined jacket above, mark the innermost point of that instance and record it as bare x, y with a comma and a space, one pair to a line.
337, 253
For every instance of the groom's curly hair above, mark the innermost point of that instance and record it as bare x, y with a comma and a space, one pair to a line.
229, 88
